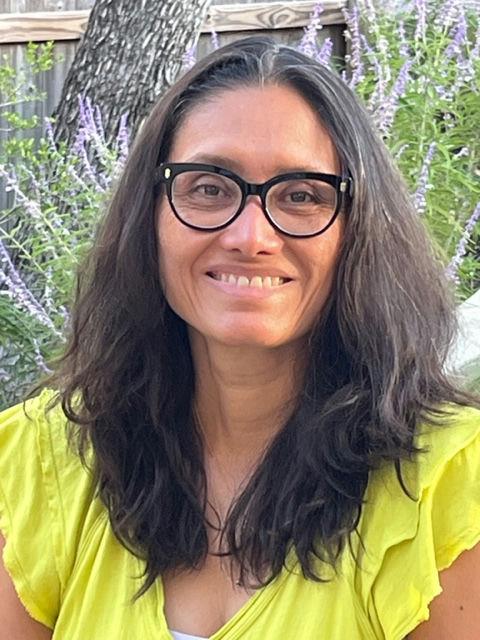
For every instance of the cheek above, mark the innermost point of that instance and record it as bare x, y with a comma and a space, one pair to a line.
325, 253
323, 267
179, 250
167, 240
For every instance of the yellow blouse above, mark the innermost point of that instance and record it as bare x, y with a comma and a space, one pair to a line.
73, 575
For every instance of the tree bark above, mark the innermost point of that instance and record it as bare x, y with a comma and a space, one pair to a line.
131, 52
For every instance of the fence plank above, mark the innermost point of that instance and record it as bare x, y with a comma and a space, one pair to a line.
42, 25
269, 15
70, 25
22, 6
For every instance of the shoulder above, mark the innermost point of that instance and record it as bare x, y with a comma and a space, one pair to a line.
408, 542
46, 502
457, 428
33, 419
36, 456
35, 433
455, 612
454, 438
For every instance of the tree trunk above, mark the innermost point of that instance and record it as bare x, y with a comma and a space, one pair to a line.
130, 53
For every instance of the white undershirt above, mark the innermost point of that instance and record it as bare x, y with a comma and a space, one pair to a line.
178, 635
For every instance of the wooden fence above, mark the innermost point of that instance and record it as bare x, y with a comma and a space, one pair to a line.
233, 18
22, 21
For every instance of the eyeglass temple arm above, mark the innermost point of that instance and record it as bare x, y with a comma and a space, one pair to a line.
346, 186
160, 174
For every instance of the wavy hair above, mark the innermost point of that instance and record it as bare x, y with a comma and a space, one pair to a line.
376, 354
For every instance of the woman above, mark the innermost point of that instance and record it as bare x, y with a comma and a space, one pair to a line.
254, 383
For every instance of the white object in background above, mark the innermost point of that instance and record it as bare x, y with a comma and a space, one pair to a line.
464, 358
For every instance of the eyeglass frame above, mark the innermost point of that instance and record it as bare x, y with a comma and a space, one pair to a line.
167, 171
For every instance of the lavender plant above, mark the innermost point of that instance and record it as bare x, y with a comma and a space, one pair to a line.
57, 195
415, 64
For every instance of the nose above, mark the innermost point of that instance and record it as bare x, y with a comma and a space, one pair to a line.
251, 233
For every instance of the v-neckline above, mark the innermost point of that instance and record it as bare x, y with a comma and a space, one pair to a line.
237, 624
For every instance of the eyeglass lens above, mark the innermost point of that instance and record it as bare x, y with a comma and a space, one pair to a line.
209, 200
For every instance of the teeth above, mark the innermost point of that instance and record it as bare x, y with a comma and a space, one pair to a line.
256, 281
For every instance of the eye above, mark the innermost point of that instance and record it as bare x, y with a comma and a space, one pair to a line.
301, 197
208, 189
208, 186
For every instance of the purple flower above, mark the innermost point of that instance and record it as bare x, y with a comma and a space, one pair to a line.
371, 15
464, 64
390, 106
475, 52
455, 48
78, 147
89, 171
90, 130
33, 210
49, 132
404, 46
82, 115
352, 20
419, 198
90, 125
39, 360
18, 291
190, 57
122, 139
324, 54
214, 39
308, 43
99, 124
456, 261
421, 10
12, 184
443, 92
446, 14
89, 121
378, 94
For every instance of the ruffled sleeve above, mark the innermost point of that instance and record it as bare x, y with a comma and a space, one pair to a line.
409, 542
45, 497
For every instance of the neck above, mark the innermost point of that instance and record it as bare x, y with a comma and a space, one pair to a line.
243, 395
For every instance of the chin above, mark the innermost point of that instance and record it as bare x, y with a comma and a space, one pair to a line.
247, 333
251, 337
249, 342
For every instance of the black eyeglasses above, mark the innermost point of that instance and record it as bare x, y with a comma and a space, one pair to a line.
208, 198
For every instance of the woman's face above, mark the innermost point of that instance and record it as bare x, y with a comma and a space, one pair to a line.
257, 132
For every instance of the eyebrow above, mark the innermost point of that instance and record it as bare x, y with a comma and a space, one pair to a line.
233, 165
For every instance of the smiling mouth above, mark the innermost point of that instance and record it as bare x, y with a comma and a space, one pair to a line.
255, 282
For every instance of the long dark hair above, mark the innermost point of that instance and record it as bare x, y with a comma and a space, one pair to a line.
376, 356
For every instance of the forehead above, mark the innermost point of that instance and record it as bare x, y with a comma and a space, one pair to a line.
267, 130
